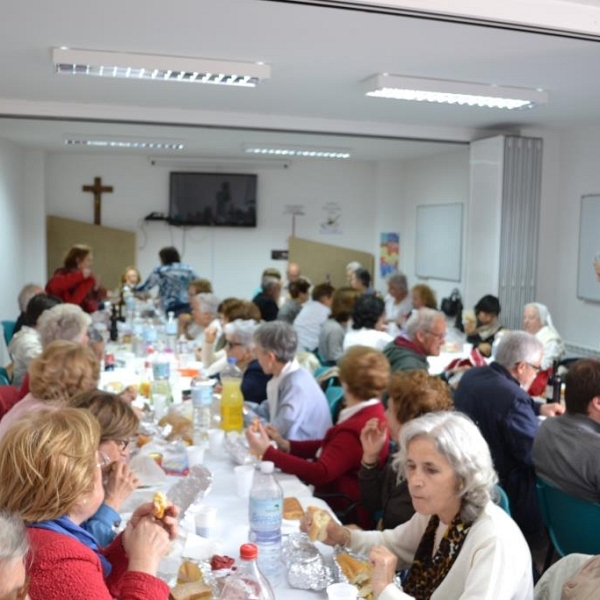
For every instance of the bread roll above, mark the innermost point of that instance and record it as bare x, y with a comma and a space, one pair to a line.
292, 509
191, 591
160, 505
319, 521
189, 572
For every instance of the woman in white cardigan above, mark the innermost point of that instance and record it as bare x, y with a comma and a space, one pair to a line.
538, 322
459, 544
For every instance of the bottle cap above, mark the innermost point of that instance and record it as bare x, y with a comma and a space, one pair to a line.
248, 551
267, 466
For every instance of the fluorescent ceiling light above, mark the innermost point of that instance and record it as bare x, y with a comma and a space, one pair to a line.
286, 151
150, 67
230, 164
115, 142
453, 92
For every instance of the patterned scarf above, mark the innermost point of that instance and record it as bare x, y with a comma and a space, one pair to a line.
429, 570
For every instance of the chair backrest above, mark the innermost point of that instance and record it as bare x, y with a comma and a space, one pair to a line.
573, 524
4, 378
9, 330
334, 394
502, 499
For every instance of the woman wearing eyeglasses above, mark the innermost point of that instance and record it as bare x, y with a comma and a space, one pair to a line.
14, 583
50, 469
118, 423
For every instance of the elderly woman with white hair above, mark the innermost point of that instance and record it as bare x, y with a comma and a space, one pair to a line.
205, 314
538, 322
239, 344
14, 582
459, 544
64, 322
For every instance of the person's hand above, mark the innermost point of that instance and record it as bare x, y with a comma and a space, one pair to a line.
274, 434
145, 543
336, 534
97, 284
121, 481
383, 563
257, 440
210, 335
372, 437
551, 410
168, 522
129, 394
485, 348
469, 326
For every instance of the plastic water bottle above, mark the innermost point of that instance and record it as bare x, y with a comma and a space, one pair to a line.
161, 393
247, 582
265, 513
171, 331
149, 335
232, 400
202, 396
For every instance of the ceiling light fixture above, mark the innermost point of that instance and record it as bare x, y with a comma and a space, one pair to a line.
453, 92
150, 67
122, 143
295, 151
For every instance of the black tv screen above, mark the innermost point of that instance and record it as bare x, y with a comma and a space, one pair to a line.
221, 199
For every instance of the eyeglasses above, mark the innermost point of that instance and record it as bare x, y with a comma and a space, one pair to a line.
439, 336
122, 444
20, 593
536, 368
230, 345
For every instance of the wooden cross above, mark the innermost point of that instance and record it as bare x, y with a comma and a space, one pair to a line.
98, 189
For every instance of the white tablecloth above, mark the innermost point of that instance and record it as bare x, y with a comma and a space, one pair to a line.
232, 514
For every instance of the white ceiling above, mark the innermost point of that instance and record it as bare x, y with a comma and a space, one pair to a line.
318, 57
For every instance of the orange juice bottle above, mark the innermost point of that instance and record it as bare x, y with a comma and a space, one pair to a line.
232, 400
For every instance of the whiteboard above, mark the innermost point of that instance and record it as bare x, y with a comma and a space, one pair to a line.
439, 241
588, 282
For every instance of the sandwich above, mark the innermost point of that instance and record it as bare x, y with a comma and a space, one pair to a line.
358, 573
319, 521
292, 509
160, 505
189, 572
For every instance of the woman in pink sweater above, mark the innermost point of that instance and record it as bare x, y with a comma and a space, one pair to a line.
51, 476
332, 464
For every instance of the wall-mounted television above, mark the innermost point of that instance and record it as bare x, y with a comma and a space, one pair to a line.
220, 199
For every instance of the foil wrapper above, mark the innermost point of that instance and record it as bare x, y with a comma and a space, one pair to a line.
189, 491
306, 569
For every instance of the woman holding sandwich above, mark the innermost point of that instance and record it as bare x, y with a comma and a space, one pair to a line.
331, 464
459, 544
51, 476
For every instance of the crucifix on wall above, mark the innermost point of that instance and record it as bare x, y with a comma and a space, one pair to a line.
98, 189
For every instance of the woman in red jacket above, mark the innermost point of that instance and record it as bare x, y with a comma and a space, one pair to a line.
75, 282
51, 476
332, 464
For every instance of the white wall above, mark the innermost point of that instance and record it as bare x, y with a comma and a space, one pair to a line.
232, 258
575, 156
440, 179
12, 244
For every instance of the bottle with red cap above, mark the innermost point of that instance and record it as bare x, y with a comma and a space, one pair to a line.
247, 582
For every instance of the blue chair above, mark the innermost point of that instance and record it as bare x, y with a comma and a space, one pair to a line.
502, 499
9, 330
4, 378
334, 395
573, 524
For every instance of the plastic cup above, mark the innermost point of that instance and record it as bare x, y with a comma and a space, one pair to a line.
243, 479
195, 455
215, 441
342, 591
206, 521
